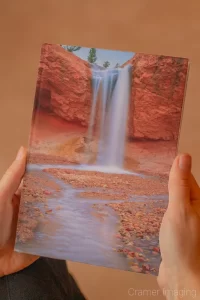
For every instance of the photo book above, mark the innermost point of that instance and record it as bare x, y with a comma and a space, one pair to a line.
104, 133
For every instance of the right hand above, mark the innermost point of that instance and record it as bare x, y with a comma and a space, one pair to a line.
179, 274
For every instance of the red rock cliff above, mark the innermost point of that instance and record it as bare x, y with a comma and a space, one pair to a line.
158, 87
64, 84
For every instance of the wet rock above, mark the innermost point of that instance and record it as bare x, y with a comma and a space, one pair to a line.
139, 249
132, 254
118, 236
146, 267
128, 229
120, 250
156, 249
141, 259
58, 207
47, 193
48, 211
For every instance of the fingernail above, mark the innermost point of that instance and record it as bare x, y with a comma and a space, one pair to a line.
185, 162
20, 153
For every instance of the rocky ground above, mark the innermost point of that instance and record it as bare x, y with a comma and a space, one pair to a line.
111, 184
34, 204
139, 221
139, 231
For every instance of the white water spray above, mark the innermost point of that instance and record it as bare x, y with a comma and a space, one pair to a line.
115, 86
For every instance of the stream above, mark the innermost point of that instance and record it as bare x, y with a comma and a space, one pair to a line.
74, 233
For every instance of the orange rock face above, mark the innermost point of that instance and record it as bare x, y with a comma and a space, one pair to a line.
64, 84
158, 87
64, 87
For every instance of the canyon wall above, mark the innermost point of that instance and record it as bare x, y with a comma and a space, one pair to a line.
158, 85
64, 85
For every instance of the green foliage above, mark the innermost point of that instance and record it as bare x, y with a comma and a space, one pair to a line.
92, 57
117, 65
71, 48
106, 64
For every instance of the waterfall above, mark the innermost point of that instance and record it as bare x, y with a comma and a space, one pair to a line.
115, 87
96, 83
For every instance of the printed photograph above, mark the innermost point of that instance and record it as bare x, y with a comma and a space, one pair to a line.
104, 133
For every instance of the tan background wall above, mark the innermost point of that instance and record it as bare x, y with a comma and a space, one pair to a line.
158, 27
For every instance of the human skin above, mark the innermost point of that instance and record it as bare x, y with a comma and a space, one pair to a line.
10, 186
179, 274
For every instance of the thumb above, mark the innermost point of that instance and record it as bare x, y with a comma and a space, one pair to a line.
13, 176
179, 180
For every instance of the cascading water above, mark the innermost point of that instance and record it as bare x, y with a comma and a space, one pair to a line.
115, 87
117, 120
96, 84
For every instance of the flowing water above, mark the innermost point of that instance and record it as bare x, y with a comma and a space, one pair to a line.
83, 167
113, 87
75, 233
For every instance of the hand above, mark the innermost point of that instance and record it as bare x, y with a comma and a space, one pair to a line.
179, 274
10, 261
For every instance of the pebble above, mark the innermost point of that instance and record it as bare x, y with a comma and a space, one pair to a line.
156, 249
48, 211
136, 269
47, 193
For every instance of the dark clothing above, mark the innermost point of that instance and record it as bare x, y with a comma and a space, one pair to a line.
46, 279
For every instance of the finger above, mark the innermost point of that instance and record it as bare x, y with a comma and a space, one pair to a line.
161, 279
13, 176
19, 190
195, 195
180, 181
195, 191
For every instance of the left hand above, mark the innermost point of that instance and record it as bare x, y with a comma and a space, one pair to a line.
11, 261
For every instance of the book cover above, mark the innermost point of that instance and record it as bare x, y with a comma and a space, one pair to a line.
104, 133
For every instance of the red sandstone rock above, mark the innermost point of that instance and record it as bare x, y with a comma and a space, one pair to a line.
48, 211
132, 254
158, 87
156, 249
145, 267
64, 84
47, 193
136, 269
